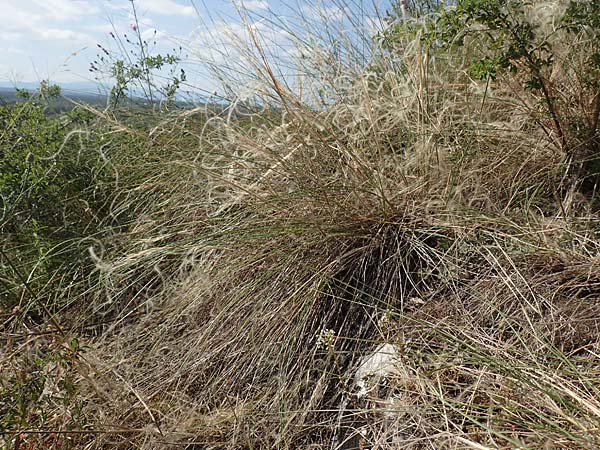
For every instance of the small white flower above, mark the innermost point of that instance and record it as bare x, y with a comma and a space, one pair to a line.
326, 339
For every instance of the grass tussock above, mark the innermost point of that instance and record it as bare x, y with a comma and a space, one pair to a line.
246, 266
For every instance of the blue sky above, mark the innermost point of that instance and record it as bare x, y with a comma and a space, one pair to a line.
57, 39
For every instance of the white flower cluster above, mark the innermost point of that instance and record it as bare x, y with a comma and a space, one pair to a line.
326, 339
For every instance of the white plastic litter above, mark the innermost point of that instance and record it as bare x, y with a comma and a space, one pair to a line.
379, 364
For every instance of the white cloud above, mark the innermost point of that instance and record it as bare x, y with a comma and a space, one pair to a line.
229, 47
146, 21
10, 36
66, 9
166, 7
103, 28
324, 13
253, 5
122, 25
152, 34
32, 20
12, 51
21, 15
60, 34
231, 42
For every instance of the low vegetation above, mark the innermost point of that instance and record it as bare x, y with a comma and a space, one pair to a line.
402, 253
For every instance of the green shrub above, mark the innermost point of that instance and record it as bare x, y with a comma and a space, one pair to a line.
552, 57
50, 172
137, 71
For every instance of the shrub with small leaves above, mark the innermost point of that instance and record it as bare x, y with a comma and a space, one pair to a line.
50, 191
136, 71
553, 56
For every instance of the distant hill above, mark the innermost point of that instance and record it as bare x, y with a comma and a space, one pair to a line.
97, 95
85, 87
8, 96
